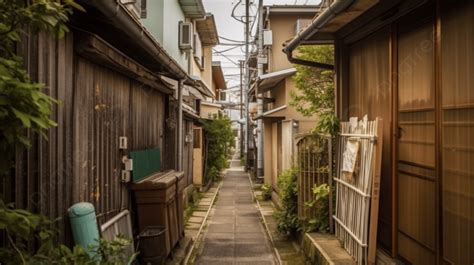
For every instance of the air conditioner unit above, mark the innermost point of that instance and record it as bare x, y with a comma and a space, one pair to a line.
185, 35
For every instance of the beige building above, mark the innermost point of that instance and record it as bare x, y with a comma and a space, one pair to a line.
212, 76
281, 121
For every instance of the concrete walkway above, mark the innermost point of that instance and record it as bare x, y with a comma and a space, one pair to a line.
235, 234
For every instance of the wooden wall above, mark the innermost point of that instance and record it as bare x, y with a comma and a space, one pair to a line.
370, 94
416, 72
81, 161
457, 131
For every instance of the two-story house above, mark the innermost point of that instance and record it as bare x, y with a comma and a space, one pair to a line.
280, 120
189, 34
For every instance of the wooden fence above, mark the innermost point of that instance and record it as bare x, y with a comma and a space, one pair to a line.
81, 160
314, 160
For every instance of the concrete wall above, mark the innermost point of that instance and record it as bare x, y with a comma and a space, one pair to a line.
279, 94
292, 113
267, 146
163, 17
207, 111
206, 75
283, 29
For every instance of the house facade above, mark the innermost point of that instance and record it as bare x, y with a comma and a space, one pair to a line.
410, 63
126, 86
280, 121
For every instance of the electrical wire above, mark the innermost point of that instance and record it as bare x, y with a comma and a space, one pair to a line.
229, 49
223, 55
231, 40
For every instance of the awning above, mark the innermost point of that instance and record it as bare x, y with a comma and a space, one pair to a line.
203, 87
218, 76
328, 22
268, 81
193, 91
189, 112
279, 112
192, 8
207, 30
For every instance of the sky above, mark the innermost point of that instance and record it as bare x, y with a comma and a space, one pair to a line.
233, 30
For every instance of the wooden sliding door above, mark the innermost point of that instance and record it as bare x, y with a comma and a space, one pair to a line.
457, 130
416, 144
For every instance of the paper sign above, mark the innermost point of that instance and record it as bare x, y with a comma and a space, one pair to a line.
350, 156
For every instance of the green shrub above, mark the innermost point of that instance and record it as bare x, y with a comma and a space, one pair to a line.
287, 217
22, 228
314, 96
266, 191
213, 174
219, 140
320, 203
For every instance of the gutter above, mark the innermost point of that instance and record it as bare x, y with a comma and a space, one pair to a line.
121, 17
333, 10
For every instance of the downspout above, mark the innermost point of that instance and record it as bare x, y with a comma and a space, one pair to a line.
333, 10
179, 158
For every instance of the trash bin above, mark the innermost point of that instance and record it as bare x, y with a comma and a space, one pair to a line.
152, 245
155, 198
180, 183
84, 226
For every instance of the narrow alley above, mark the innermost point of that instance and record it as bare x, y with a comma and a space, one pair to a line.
201, 132
235, 234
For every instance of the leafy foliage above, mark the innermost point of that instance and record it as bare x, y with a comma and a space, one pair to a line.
23, 227
220, 138
266, 191
315, 95
287, 217
320, 202
23, 105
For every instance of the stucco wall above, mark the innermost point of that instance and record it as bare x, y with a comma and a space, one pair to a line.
292, 113
283, 29
207, 111
163, 17
206, 75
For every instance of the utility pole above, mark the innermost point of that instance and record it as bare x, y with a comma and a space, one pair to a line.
242, 137
247, 81
260, 59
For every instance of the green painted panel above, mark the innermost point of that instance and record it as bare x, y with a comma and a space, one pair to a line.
145, 163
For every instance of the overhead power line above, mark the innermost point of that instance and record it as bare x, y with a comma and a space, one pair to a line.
238, 41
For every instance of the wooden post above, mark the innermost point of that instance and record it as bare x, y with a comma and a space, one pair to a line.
375, 197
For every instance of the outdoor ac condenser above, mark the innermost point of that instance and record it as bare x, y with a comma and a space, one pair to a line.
185, 35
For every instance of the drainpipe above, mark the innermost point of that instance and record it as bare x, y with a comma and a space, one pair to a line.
259, 99
334, 9
179, 158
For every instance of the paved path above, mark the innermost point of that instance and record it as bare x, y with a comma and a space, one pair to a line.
235, 234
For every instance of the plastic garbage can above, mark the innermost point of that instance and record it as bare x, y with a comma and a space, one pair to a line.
84, 226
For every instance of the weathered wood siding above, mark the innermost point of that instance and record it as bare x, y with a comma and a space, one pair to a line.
81, 161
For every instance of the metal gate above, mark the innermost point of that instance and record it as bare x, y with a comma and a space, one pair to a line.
314, 160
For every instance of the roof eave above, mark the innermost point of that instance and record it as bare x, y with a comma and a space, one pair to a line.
207, 30
192, 8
